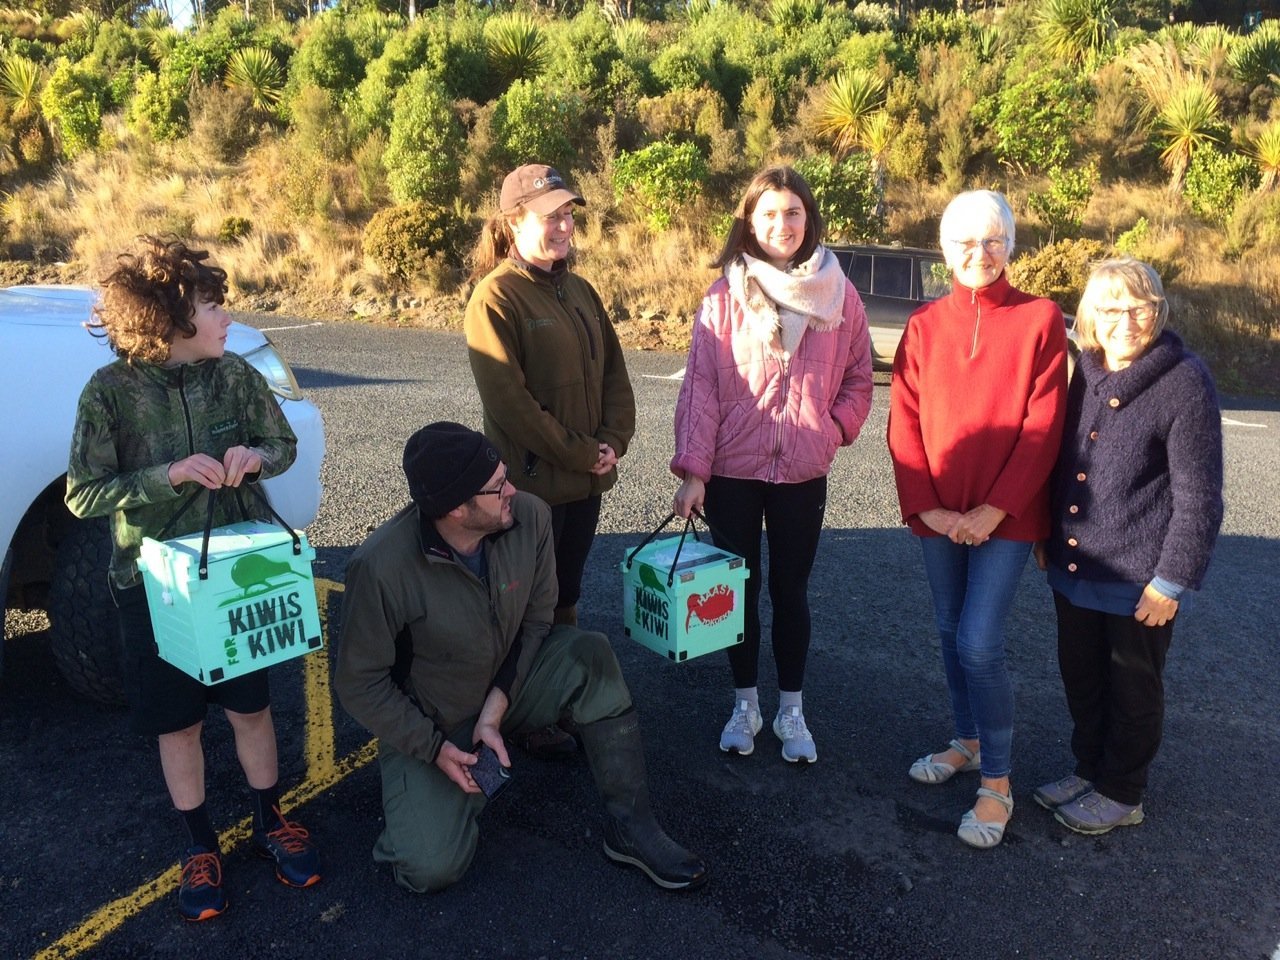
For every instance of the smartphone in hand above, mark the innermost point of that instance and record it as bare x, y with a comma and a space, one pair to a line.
488, 772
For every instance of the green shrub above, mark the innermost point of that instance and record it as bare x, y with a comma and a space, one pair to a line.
515, 46
234, 229
659, 180
531, 124
371, 174
874, 17
1130, 242
72, 102
425, 142
1058, 271
1033, 121
581, 54
401, 239
318, 125
908, 157
1216, 181
1061, 208
846, 194
327, 58
158, 107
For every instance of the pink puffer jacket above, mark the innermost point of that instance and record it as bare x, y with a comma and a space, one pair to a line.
745, 413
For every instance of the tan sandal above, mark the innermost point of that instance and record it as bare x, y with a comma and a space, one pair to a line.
928, 770
984, 834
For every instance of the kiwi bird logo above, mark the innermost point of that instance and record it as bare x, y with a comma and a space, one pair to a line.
254, 573
649, 577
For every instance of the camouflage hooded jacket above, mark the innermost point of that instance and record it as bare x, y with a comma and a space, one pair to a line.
135, 418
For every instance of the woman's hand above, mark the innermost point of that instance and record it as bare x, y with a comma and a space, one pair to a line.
239, 462
939, 520
607, 460
974, 527
689, 497
1154, 608
198, 468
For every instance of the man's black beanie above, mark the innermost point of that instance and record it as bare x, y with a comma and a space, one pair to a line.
446, 464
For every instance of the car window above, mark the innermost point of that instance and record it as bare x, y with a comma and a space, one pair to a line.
860, 272
935, 279
891, 277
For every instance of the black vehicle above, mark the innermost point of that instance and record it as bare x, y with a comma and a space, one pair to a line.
893, 282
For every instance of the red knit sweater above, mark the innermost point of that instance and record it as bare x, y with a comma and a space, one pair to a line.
976, 407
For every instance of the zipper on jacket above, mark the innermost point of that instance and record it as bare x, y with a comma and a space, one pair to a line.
586, 327
977, 322
186, 410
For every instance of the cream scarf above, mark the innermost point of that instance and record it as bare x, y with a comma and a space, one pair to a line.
779, 305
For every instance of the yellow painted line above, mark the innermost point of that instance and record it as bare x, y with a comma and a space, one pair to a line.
111, 917
319, 748
324, 770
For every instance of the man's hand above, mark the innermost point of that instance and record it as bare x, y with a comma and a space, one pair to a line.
456, 764
490, 719
606, 461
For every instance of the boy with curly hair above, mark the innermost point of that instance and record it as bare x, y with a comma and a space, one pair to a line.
173, 414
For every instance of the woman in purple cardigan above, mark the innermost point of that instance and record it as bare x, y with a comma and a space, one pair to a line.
1136, 505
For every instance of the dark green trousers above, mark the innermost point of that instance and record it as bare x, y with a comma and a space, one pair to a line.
430, 831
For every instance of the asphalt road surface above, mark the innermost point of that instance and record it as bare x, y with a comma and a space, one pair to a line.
848, 858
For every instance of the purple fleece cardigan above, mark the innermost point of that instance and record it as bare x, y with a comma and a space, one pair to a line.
1137, 490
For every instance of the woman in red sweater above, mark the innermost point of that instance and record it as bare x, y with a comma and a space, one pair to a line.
976, 412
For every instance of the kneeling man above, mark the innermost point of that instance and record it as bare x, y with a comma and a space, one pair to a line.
447, 643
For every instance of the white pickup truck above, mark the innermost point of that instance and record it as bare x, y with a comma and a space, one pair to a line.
50, 559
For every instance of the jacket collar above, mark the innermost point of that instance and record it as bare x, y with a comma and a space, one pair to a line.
170, 376
555, 276
994, 294
1162, 356
434, 545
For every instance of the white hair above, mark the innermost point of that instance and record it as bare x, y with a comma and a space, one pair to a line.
976, 206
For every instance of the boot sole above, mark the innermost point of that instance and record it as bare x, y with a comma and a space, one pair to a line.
617, 857
1091, 831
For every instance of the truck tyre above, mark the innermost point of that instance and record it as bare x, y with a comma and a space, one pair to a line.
82, 616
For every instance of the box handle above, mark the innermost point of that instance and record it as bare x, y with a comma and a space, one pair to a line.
688, 525
208, 521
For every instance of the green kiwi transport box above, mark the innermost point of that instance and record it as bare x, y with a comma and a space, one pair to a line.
687, 606
256, 608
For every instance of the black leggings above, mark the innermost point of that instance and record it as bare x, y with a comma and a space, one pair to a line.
792, 513
573, 525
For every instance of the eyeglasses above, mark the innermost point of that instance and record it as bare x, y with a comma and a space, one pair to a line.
1139, 313
989, 244
498, 490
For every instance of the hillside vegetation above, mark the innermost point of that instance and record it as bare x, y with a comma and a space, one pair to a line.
340, 164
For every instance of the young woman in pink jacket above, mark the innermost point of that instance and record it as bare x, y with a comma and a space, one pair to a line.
778, 378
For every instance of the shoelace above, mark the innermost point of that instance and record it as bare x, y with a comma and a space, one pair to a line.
740, 722
793, 726
294, 837
202, 870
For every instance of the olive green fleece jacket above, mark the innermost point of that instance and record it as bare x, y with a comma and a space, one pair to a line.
551, 377
135, 418
464, 637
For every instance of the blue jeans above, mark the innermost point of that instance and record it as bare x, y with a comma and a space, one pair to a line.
973, 588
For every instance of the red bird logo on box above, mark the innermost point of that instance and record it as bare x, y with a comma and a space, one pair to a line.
710, 607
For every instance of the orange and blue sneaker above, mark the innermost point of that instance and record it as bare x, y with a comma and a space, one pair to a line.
291, 847
200, 895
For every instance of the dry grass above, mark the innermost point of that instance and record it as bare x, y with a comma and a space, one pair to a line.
88, 211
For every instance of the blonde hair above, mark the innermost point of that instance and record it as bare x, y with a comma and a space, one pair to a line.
1112, 278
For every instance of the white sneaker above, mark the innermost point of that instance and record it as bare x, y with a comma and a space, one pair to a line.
739, 734
797, 741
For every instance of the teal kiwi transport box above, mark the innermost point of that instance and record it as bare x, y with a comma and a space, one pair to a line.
257, 606
699, 611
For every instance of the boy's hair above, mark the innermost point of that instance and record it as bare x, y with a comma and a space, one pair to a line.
149, 299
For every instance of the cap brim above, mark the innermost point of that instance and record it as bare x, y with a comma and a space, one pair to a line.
553, 200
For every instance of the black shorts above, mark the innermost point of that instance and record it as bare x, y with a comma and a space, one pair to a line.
163, 699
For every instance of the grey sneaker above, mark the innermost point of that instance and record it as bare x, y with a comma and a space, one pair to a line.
1094, 813
739, 735
797, 742
1053, 795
